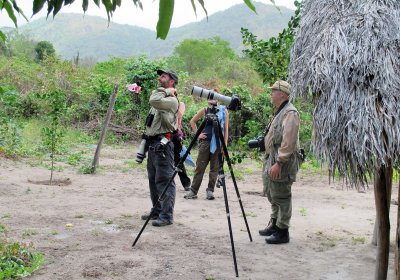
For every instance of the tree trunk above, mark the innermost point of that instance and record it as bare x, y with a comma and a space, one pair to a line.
389, 198
383, 178
396, 261
95, 162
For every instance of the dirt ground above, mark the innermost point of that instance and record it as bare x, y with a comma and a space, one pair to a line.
86, 229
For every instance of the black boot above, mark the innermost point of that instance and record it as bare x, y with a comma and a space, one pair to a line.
270, 229
278, 237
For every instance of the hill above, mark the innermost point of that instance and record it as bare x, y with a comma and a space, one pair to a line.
94, 37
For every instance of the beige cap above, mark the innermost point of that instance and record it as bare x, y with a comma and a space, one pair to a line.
281, 86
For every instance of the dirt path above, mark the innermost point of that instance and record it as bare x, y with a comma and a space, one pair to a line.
86, 229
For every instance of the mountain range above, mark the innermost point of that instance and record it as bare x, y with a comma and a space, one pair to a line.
94, 37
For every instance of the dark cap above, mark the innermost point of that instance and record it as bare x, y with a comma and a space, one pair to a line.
170, 73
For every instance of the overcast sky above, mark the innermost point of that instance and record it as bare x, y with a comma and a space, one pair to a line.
129, 14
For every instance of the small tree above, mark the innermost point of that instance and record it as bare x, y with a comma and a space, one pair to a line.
44, 49
53, 133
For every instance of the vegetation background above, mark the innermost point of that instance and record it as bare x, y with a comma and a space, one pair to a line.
50, 106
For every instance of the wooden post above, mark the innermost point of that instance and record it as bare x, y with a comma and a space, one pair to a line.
95, 162
383, 177
389, 198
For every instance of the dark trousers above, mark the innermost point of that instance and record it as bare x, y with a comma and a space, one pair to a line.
160, 169
204, 157
185, 180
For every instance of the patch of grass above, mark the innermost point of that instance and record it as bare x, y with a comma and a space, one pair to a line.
132, 164
329, 242
125, 169
108, 222
249, 170
125, 215
3, 229
17, 261
358, 239
326, 241
78, 137
6, 216
78, 216
29, 232
75, 158
311, 165
251, 214
303, 211
238, 175
86, 168
28, 190
53, 232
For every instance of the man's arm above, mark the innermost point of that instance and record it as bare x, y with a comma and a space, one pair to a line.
164, 99
291, 124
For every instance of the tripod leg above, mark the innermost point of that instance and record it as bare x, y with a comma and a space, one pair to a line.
217, 131
201, 127
226, 154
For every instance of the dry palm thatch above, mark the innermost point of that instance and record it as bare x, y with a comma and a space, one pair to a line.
347, 53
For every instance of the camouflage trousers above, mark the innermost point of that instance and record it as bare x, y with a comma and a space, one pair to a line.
279, 195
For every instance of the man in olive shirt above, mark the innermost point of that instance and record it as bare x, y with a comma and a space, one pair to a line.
160, 125
281, 163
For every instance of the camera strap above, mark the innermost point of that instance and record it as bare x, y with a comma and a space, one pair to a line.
273, 118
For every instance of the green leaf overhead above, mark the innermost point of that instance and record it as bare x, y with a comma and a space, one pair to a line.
165, 12
85, 4
250, 4
166, 9
37, 6
10, 12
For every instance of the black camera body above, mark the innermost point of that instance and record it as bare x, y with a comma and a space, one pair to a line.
257, 143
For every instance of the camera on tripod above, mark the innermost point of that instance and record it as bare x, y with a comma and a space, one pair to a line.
233, 103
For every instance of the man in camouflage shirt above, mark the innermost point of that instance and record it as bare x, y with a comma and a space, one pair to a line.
281, 163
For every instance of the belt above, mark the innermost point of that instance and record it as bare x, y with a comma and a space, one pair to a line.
157, 137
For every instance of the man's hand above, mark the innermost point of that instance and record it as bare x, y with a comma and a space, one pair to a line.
173, 92
170, 92
275, 171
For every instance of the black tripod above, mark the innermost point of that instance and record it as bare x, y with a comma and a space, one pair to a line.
221, 178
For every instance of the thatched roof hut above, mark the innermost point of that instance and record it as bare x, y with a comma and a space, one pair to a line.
347, 53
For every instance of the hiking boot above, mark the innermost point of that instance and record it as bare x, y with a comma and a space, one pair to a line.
279, 237
270, 229
210, 195
190, 195
146, 216
161, 223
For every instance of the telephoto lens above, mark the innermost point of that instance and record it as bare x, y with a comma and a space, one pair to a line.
209, 94
141, 153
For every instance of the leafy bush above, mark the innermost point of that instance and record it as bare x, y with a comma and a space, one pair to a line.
17, 261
